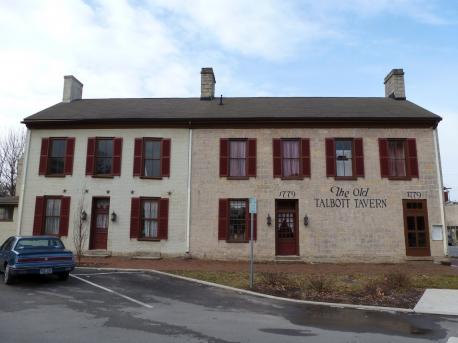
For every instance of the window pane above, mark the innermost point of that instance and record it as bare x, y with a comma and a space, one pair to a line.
410, 223
104, 148
344, 155
53, 207
396, 158
56, 165
58, 147
150, 209
103, 165
152, 149
421, 223
153, 168
290, 158
237, 220
6, 213
290, 149
149, 229
101, 221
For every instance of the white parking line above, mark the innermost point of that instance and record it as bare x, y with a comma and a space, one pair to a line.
113, 292
453, 340
106, 273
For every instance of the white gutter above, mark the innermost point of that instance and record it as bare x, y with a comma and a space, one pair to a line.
188, 209
440, 180
25, 167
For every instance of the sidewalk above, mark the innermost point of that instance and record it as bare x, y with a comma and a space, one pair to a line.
438, 301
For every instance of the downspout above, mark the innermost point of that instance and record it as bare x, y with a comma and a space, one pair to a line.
25, 168
441, 189
188, 209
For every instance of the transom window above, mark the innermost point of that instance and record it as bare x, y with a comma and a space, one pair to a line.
152, 158
290, 158
149, 218
52, 216
237, 220
104, 156
397, 158
56, 158
237, 158
6, 213
344, 157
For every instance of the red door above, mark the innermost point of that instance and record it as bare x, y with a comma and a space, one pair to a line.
416, 229
286, 228
99, 223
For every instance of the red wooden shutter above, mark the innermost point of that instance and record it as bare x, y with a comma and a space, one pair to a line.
38, 218
446, 199
359, 157
330, 157
117, 153
135, 217
163, 222
42, 170
223, 157
277, 157
252, 157
305, 156
138, 156
90, 156
383, 152
165, 157
223, 218
70, 150
64, 216
412, 159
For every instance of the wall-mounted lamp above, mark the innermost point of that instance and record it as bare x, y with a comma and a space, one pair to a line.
83, 215
306, 220
114, 216
269, 220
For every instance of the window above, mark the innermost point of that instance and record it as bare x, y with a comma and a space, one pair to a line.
237, 220
290, 158
6, 213
152, 158
149, 228
56, 158
396, 158
237, 158
52, 216
104, 156
344, 157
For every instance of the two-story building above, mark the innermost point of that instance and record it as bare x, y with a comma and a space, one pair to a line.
336, 179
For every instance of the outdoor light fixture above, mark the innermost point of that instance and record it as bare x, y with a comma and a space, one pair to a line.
306, 220
83, 215
269, 220
113, 216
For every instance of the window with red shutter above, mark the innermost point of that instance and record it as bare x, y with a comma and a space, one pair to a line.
251, 157
359, 157
117, 153
276, 148
383, 152
165, 157
305, 157
135, 218
43, 168
90, 156
138, 156
163, 222
69, 153
64, 216
38, 217
222, 219
223, 157
412, 158
330, 157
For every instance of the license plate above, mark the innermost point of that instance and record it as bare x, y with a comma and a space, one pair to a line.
44, 271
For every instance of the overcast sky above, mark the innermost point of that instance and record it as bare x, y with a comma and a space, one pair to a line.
277, 48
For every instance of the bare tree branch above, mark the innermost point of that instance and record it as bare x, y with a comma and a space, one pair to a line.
80, 227
11, 151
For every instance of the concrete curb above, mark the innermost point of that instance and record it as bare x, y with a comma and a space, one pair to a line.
262, 295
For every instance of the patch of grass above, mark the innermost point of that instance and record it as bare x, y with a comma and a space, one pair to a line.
435, 281
320, 284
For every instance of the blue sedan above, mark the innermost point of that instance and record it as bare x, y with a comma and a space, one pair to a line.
42, 255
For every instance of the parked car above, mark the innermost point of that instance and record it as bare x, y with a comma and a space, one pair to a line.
42, 255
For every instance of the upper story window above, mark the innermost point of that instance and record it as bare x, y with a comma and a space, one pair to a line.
344, 158
291, 158
237, 157
6, 213
152, 157
398, 158
104, 156
56, 157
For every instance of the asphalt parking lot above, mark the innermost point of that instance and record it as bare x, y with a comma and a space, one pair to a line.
107, 306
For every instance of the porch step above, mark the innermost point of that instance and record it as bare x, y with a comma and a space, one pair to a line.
288, 259
419, 258
97, 253
147, 256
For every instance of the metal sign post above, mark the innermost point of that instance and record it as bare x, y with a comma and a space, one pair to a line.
252, 213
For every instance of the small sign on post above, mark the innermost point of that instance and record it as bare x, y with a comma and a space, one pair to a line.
252, 210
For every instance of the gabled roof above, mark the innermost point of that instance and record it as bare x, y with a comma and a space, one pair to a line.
241, 109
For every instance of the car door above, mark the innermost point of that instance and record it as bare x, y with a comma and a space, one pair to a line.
4, 251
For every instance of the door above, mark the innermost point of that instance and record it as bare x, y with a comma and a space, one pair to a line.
99, 223
416, 228
286, 228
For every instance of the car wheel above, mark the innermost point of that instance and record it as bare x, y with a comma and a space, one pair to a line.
63, 276
7, 277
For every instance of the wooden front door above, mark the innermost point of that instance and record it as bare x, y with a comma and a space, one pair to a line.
416, 228
286, 228
99, 223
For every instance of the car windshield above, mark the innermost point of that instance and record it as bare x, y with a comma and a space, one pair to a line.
37, 243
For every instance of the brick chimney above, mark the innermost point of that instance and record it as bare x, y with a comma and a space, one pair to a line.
394, 85
73, 89
207, 84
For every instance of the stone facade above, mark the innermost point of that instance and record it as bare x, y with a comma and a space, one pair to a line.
120, 190
332, 234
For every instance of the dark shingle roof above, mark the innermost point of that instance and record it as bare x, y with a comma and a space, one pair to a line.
272, 108
9, 201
